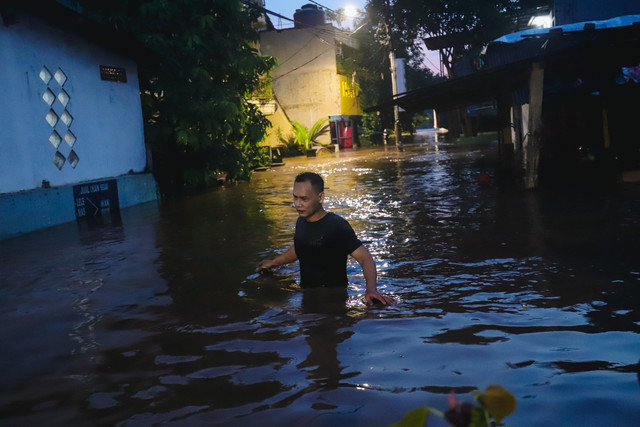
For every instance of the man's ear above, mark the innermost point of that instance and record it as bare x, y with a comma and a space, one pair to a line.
321, 195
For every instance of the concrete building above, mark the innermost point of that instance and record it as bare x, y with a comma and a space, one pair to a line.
306, 83
72, 143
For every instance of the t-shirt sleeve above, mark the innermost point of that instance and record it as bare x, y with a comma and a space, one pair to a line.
349, 239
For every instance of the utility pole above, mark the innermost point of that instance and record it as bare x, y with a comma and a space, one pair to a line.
394, 90
394, 85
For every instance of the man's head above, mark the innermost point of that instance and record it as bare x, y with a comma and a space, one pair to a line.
308, 195
316, 180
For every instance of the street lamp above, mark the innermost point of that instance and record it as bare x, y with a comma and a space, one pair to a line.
350, 11
541, 21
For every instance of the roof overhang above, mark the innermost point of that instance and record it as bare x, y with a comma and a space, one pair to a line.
453, 40
589, 53
66, 18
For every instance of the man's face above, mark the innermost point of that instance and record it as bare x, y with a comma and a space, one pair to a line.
305, 199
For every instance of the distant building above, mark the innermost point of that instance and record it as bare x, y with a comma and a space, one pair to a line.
72, 142
306, 83
566, 96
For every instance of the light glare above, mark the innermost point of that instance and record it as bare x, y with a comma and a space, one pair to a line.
350, 11
542, 21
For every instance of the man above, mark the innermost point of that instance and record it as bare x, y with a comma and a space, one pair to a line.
322, 242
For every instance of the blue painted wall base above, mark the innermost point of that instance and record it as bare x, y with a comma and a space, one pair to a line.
31, 210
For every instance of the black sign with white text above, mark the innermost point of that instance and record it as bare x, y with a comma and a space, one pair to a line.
95, 198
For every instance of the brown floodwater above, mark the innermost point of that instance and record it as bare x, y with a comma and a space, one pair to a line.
158, 317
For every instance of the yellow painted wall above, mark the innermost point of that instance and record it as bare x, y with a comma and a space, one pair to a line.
349, 97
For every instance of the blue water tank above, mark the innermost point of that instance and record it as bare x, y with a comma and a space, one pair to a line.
308, 15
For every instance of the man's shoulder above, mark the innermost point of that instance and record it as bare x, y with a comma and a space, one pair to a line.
338, 223
334, 217
331, 220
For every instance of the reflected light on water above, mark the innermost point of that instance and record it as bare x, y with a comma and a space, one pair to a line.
162, 319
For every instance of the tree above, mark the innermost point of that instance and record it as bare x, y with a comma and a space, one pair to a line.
460, 29
369, 66
195, 88
467, 25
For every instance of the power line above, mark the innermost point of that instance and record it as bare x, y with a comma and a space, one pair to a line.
429, 61
317, 31
270, 12
293, 55
323, 6
337, 12
302, 65
262, 9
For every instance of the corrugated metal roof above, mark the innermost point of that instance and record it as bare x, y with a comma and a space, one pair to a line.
506, 72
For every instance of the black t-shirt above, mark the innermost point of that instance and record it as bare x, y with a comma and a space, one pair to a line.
322, 248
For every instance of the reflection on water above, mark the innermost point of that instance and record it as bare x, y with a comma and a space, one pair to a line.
160, 318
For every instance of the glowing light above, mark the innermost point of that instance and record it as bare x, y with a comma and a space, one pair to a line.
350, 11
541, 21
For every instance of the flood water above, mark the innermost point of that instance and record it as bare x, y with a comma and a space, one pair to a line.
160, 318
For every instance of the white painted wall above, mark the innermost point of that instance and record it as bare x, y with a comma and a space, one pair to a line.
107, 115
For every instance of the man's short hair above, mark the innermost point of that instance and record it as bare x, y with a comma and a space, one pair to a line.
317, 183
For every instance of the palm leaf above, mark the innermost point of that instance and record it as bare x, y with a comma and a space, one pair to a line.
318, 129
302, 134
305, 137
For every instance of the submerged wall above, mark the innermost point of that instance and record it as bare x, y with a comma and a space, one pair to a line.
31, 210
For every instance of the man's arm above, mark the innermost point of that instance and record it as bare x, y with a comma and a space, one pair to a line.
364, 258
288, 256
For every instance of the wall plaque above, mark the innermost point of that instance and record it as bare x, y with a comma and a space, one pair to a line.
96, 198
113, 74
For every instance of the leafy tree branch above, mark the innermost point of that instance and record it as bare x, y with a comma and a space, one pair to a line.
195, 85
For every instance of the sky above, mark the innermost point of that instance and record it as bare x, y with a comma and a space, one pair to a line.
288, 7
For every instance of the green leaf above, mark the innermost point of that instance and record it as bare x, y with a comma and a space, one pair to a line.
498, 401
207, 21
479, 418
194, 40
301, 134
186, 136
202, 63
319, 128
414, 418
305, 137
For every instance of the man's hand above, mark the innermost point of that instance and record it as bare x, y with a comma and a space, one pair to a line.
372, 296
265, 264
288, 256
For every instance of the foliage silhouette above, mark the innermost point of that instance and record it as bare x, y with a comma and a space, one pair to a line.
200, 72
495, 403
